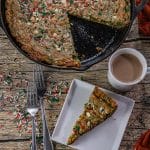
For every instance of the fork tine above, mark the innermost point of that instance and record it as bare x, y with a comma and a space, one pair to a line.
31, 94
32, 98
35, 95
39, 80
41, 76
35, 75
28, 102
38, 76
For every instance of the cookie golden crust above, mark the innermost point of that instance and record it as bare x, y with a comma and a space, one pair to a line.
99, 107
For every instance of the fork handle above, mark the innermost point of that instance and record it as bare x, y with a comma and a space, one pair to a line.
48, 145
33, 134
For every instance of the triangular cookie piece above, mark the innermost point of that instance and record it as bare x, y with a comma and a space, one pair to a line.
99, 107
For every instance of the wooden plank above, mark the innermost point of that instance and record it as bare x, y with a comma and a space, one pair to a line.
15, 145
17, 59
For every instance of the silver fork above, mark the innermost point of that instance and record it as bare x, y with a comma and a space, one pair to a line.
32, 108
41, 89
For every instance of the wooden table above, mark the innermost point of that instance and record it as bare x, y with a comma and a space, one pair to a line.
16, 71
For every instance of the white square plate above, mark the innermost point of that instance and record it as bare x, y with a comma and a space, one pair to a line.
107, 135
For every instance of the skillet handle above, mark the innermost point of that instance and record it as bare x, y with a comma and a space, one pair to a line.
0, 16
0, 22
138, 8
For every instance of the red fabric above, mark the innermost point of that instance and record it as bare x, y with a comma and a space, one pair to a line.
143, 142
144, 19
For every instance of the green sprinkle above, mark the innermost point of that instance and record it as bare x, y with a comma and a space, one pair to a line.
54, 99
38, 36
127, 9
99, 13
8, 80
45, 13
71, 2
77, 128
81, 78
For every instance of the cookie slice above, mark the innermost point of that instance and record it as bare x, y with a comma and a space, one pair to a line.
99, 107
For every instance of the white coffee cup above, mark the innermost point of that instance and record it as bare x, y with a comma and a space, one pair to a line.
125, 86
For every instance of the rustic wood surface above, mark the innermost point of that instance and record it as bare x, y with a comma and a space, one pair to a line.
15, 65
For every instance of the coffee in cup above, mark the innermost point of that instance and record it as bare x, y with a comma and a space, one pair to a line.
127, 67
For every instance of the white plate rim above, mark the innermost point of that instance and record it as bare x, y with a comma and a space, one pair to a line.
66, 100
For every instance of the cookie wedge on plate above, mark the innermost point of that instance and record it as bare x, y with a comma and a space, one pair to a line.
98, 108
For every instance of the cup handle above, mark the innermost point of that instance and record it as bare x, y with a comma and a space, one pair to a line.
148, 70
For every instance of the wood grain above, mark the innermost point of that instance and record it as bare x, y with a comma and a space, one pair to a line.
11, 61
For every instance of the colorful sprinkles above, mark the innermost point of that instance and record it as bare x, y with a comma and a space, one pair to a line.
13, 92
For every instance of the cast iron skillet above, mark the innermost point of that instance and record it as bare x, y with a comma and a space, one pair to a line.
87, 37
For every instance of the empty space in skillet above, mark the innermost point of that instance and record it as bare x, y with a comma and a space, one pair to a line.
89, 36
